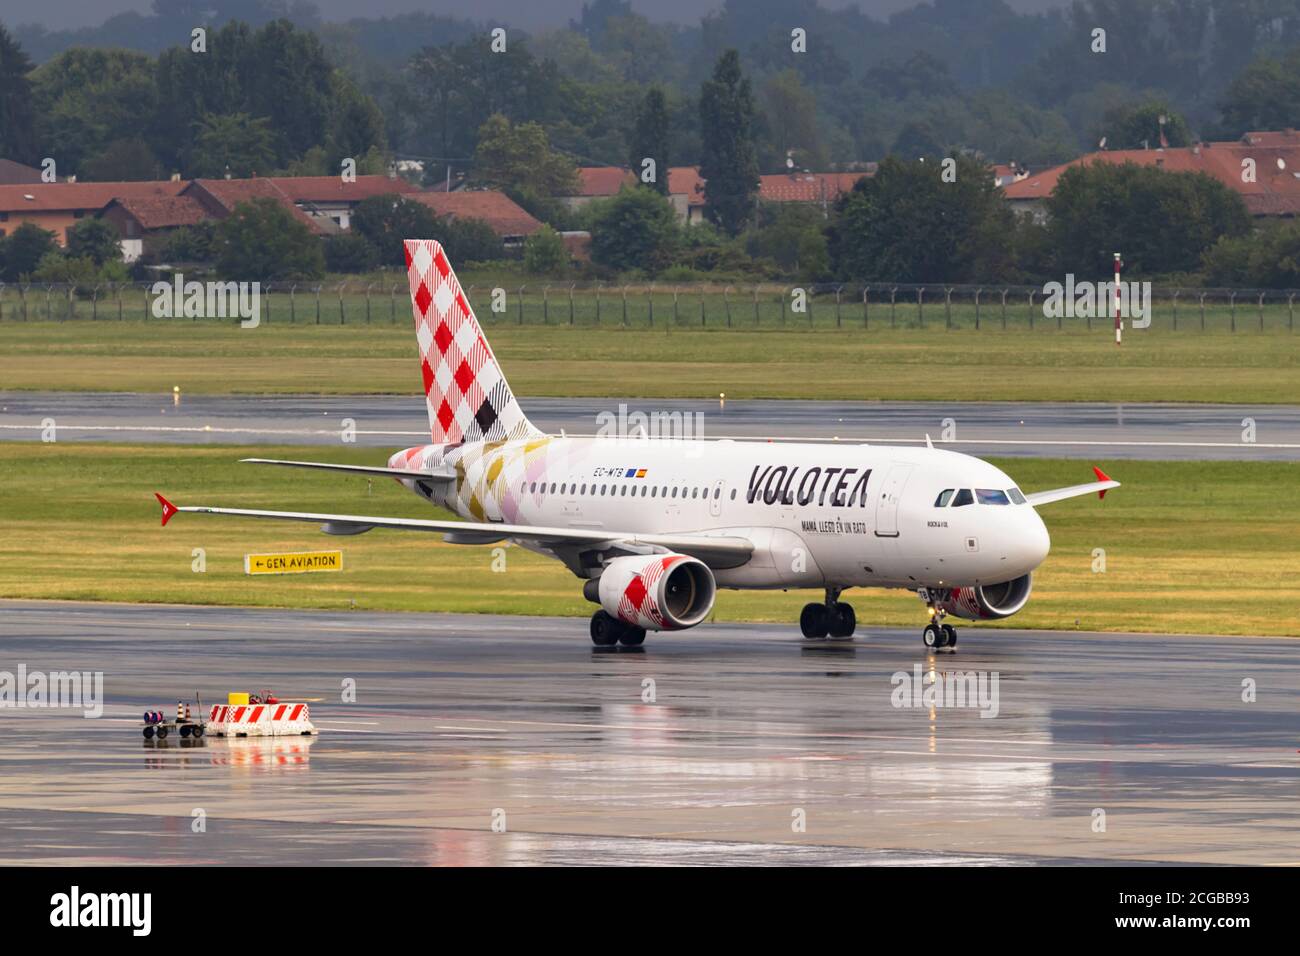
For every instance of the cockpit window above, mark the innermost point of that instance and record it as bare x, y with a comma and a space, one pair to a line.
964, 497
1015, 495
991, 496
945, 496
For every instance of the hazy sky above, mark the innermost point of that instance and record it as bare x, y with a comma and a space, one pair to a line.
57, 14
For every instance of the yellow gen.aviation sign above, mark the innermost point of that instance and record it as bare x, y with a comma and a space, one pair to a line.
293, 562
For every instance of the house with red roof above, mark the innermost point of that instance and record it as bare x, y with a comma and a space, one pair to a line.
141, 218
57, 207
507, 218
1271, 189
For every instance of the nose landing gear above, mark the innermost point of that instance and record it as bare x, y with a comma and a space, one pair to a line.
937, 634
834, 618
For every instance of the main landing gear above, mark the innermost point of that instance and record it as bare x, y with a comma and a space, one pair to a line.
834, 618
607, 630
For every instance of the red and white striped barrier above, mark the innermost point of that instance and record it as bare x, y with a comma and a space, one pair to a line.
218, 716
267, 720
291, 720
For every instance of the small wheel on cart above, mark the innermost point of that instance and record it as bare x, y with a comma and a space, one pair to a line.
197, 731
148, 733
185, 730
162, 732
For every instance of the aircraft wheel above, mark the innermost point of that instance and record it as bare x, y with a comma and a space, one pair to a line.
949, 636
932, 636
632, 636
814, 621
843, 621
604, 629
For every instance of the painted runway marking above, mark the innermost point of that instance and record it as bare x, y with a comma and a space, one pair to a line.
842, 439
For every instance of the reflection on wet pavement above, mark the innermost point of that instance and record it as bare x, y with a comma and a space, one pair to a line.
754, 748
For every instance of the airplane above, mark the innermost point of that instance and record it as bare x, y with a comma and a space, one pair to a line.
653, 527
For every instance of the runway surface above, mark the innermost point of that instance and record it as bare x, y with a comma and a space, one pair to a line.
706, 747
993, 428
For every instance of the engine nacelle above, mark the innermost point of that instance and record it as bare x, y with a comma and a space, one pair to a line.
659, 592
985, 602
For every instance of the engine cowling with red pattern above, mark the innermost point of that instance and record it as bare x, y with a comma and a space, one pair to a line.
984, 602
659, 592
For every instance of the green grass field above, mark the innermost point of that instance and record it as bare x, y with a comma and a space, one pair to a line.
667, 361
1191, 547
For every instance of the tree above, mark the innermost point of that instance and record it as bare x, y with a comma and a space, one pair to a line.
388, 220
1267, 259
196, 243
906, 224
95, 239
17, 111
87, 98
545, 253
728, 162
350, 252
790, 119
25, 248
922, 74
122, 160
469, 240
637, 229
650, 140
1265, 95
261, 239
1138, 126
792, 235
236, 143
520, 157
1162, 222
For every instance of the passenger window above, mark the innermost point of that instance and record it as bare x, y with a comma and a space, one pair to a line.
1015, 495
991, 496
654, 491
945, 496
733, 494
963, 497
717, 493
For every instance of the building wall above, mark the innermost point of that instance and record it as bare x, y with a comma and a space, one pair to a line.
56, 221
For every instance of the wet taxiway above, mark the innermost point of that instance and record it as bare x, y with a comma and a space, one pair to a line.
1080, 430
727, 744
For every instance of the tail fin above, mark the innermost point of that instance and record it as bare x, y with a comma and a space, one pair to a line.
467, 394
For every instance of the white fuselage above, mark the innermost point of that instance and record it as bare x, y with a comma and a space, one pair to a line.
824, 514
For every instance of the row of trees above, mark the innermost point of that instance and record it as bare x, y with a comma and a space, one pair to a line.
252, 101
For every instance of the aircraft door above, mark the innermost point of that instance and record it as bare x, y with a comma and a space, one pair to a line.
890, 495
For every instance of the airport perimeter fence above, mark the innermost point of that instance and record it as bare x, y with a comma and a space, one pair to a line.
871, 307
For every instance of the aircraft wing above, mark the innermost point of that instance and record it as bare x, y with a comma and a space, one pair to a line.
445, 474
1102, 485
717, 551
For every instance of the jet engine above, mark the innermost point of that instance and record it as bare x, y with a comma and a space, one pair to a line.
659, 592
985, 601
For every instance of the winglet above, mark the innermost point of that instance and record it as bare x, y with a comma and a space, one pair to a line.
1101, 476
168, 508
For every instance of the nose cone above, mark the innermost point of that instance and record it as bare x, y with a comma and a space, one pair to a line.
1035, 541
